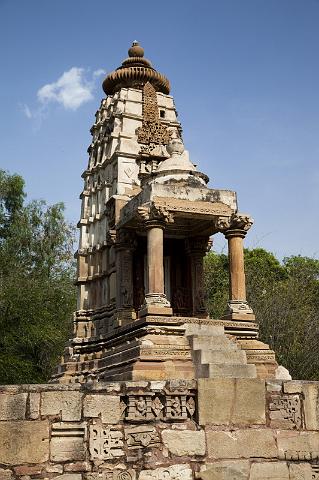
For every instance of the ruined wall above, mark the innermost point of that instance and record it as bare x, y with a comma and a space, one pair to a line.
181, 430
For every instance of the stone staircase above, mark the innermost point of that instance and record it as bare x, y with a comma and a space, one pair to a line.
218, 355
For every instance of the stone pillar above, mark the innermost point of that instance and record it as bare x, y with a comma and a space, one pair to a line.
155, 302
124, 248
155, 260
235, 229
237, 283
196, 248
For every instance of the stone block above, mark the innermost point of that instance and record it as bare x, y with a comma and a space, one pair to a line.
69, 404
105, 406
5, 474
273, 385
173, 472
300, 471
54, 468
24, 442
241, 444
67, 442
34, 406
114, 474
77, 467
237, 401
292, 387
269, 471
182, 443
69, 476
229, 470
28, 470
311, 405
13, 407
64, 449
294, 445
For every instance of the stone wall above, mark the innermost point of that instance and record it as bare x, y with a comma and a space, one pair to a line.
176, 430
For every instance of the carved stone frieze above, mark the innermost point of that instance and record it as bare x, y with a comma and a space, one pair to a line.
176, 402
197, 206
105, 442
285, 411
152, 132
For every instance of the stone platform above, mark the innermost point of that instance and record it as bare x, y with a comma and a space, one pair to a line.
159, 347
215, 428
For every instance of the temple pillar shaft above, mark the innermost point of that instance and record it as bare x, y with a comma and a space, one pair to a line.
196, 248
124, 276
237, 281
155, 262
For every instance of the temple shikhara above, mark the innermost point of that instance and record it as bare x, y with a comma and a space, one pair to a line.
147, 221
150, 387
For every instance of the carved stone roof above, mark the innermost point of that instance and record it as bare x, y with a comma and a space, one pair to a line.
135, 72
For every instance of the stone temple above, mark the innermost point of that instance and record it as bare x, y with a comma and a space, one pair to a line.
150, 387
146, 223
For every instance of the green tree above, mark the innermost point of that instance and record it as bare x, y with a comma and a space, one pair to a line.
285, 299
37, 295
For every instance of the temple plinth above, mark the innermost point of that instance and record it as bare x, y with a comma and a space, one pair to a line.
146, 222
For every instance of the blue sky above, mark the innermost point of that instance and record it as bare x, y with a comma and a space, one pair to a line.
244, 75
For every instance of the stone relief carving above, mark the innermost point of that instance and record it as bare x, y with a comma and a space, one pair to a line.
177, 403
286, 411
157, 407
105, 442
141, 437
152, 133
139, 407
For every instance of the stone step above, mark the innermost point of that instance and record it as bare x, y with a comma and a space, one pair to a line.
204, 330
232, 371
209, 370
212, 343
220, 356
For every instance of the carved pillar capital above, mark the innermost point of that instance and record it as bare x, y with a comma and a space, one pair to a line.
154, 215
237, 225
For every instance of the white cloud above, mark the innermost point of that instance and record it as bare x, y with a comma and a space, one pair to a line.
71, 90
99, 72
26, 110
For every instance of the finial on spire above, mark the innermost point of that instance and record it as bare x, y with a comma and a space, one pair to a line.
135, 72
136, 50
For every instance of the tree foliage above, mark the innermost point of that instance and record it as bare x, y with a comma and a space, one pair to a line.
37, 296
285, 299
36, 290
